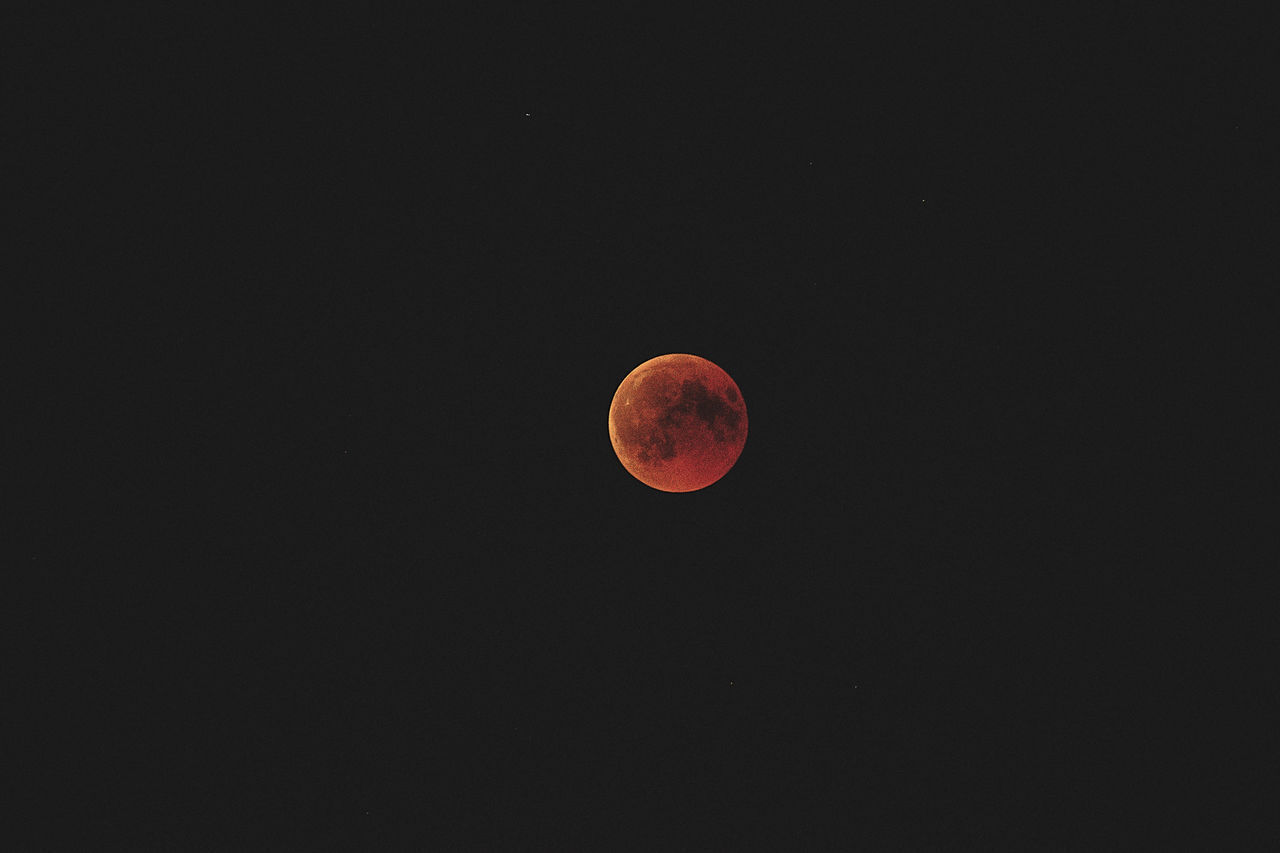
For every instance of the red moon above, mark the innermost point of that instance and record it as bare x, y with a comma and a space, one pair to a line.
678, 423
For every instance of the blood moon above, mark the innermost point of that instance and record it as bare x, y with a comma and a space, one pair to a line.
678, 423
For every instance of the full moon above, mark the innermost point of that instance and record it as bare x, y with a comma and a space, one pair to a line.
678, 423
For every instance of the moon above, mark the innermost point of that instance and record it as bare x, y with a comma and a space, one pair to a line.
678, 423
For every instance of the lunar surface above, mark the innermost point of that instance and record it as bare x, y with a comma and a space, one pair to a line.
678, 423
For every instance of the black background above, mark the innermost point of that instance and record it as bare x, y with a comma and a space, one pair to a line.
328, 547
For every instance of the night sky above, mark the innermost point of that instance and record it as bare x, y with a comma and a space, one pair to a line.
329, 549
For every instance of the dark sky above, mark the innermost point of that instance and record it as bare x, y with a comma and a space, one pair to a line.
330, 549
